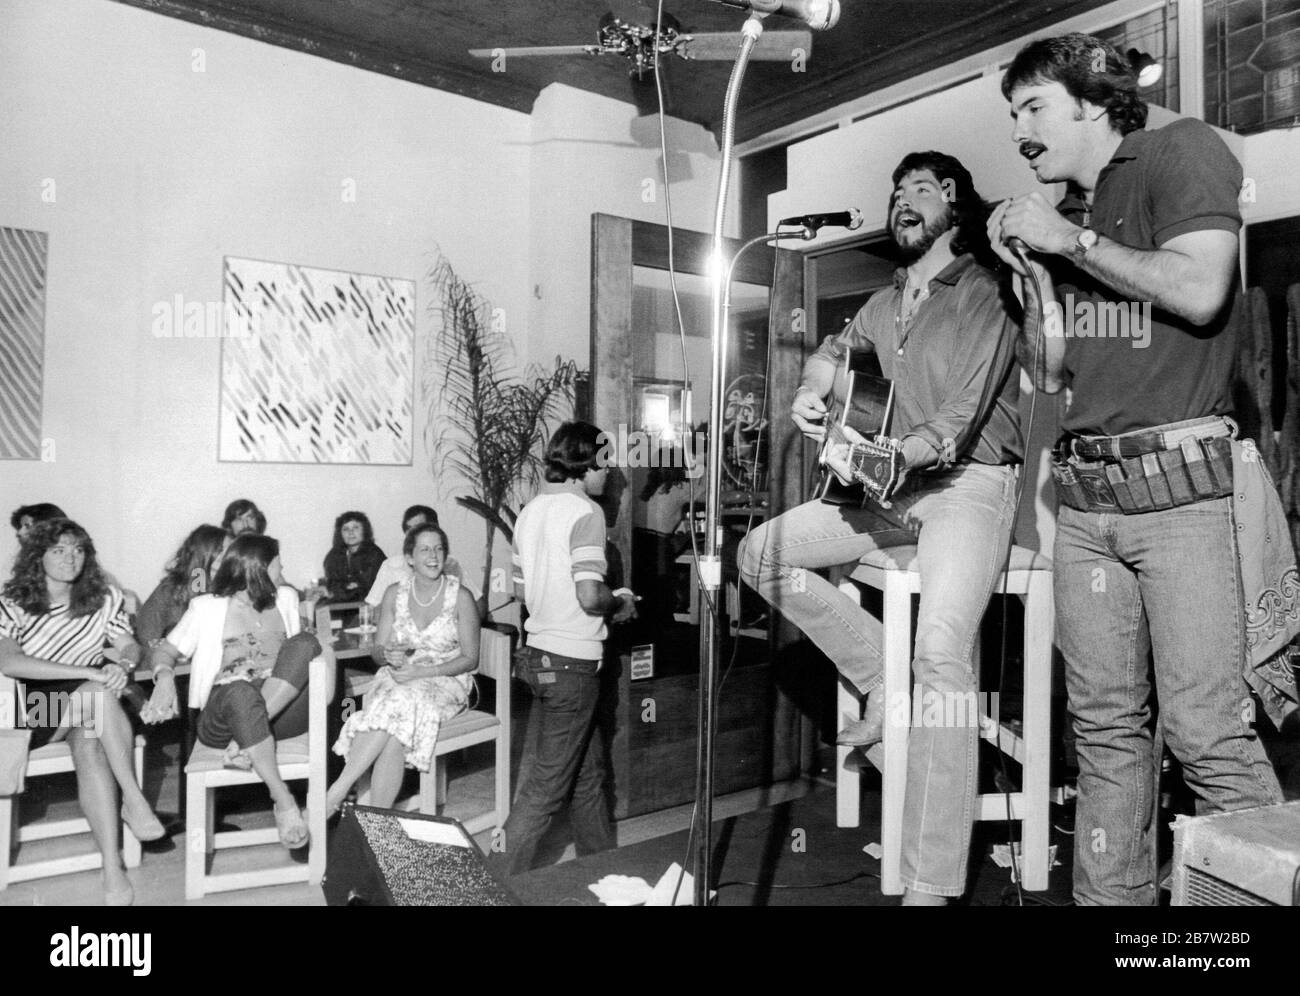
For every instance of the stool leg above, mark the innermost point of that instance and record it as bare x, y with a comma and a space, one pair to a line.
1039, 620
196, 844
897, 620
7, 813
433, 787
848, 775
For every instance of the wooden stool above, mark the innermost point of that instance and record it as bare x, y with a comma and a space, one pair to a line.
893, 571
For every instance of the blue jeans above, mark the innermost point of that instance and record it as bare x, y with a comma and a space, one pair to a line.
568, 760
1130, 589
961, 525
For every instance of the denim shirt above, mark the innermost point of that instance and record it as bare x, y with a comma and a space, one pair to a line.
952, 363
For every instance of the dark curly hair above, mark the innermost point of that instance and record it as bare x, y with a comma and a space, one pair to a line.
41, 512
27, 586
367, 533
1090, 69
571, 452
969, 215
240, 507
245, 568
189, 572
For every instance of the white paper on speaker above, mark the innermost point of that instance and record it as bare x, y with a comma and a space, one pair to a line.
434, 833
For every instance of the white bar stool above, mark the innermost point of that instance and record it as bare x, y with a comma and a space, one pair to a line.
893, 572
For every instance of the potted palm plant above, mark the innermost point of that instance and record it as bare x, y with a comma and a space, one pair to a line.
486, 424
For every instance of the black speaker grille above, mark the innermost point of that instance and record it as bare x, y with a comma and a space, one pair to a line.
421, 873
1207, 890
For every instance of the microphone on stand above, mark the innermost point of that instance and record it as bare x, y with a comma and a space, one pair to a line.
817, 14
850, 219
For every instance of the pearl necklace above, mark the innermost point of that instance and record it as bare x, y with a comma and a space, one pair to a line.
424, 605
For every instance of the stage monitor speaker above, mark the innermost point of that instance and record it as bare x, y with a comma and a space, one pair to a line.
1250, 857
384, 857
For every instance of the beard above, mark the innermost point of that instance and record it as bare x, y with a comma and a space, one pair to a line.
931, 231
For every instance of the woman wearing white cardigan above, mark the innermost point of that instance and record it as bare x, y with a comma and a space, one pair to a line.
248, 668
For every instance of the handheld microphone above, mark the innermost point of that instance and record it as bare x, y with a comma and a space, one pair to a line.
850, 219
817, 14
1016, 244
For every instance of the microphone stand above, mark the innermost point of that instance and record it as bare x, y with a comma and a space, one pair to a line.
710, 566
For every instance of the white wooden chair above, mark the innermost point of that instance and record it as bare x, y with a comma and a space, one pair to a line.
300, 758
466, 730
52, 759
893, 572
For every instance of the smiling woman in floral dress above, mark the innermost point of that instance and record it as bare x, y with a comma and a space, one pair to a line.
429, 637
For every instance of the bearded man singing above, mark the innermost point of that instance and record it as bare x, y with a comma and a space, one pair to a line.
943, 337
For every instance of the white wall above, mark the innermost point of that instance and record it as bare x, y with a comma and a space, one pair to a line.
592, 154
1270, 159
159, 171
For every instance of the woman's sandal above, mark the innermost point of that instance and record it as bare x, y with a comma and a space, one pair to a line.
292, 828
124, 896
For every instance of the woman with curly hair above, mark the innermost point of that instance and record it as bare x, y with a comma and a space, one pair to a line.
189, 573
354, 561
249, 667
56, 613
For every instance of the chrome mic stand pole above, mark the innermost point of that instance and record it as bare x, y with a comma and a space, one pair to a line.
711, 563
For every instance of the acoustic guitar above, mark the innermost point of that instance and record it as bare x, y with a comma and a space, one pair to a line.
865, 405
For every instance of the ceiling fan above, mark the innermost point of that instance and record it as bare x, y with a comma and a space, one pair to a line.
628, 30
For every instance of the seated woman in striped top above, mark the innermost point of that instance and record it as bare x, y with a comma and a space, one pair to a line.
56, 613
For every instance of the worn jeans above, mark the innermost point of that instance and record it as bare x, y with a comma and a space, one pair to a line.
1160, 586
568, 765
961, 525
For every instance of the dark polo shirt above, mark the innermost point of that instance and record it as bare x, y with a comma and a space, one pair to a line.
955, 382
1160, 184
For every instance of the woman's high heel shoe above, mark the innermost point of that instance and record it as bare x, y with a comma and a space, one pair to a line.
146, 830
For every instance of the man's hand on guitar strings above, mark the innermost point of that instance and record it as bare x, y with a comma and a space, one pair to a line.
838, 456
809, 413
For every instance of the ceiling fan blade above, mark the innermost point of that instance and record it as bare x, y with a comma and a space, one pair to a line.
509, 53
773, 46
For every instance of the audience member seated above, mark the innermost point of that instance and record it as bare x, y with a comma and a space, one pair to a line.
248, 668
56, 614
353, 563
189, 573
428, 636
242, 516
27, 517
396, 568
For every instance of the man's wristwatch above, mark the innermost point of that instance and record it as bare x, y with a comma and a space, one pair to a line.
1084, 241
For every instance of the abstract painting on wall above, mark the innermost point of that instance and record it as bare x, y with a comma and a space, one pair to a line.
22, 341
317, 366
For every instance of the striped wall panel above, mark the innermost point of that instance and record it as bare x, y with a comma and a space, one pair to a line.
22, 341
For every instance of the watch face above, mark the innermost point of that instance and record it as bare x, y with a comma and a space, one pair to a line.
1087, 239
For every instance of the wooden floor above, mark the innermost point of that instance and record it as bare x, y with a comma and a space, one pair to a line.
160, 879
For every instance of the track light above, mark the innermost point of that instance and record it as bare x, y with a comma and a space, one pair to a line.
1147, 69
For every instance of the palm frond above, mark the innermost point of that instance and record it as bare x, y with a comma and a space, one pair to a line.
486, 425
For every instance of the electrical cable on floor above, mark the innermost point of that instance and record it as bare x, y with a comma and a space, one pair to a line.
815, 885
